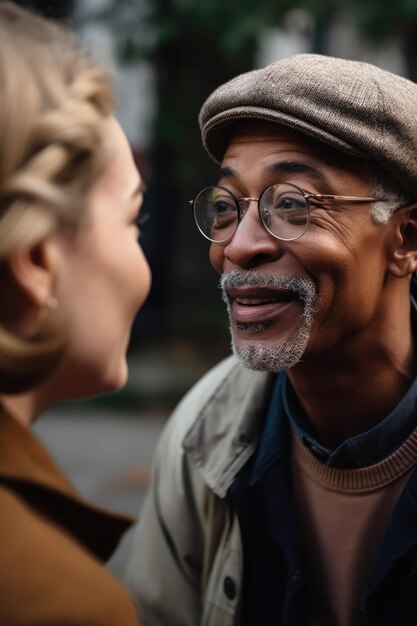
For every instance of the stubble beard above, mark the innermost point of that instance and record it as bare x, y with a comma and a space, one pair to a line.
285, 354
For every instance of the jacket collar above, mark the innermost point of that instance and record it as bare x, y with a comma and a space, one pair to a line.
23, 458
27, 469
227, 429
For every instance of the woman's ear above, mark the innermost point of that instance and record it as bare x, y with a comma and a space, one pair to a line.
33, 270
404, 258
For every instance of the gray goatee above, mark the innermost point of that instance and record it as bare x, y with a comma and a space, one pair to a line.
254, 354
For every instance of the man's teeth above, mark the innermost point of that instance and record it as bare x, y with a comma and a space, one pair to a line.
255, 301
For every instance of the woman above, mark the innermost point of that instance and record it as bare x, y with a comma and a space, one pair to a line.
72, 278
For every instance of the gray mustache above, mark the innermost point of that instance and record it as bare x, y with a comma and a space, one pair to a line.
305, 288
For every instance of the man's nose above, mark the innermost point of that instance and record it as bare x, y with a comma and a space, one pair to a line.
251, 243
244, 204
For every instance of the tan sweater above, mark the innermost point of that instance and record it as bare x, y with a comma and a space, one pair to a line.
343, 514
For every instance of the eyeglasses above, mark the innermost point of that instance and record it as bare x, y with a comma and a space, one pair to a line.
284, 210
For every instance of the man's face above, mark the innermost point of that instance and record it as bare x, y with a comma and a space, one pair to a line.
290, 300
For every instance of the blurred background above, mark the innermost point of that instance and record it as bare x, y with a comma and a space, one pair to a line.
167, 56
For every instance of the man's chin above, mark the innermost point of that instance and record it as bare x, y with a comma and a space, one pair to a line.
264, 357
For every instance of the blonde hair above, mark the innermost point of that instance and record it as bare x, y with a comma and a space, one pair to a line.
53, 101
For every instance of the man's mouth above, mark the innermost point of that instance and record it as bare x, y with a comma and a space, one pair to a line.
258, 301
257, 305
250, 296
254, 301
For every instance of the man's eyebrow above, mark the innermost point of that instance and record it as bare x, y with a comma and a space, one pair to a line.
281, 167
297, 167
226, 172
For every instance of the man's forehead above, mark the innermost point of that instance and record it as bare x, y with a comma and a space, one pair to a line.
248, 132
266, 149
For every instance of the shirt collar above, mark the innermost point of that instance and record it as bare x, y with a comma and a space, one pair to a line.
366, 448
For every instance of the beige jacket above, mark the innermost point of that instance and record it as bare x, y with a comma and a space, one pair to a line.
186, 563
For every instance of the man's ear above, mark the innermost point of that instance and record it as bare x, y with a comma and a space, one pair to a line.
404, 258
33, 271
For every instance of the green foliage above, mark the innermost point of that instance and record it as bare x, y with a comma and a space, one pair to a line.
230, 25
380, 19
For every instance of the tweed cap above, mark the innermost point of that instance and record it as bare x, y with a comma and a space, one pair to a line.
352, 106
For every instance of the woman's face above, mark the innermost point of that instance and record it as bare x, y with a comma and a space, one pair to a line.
103, 277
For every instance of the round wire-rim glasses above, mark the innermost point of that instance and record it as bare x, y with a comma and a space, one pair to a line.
284, 210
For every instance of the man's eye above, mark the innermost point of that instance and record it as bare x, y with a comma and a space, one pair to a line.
222, 206
289, 203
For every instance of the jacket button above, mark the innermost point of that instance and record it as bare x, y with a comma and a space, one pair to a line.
229, 588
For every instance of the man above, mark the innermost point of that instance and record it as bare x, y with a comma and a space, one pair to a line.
285, 484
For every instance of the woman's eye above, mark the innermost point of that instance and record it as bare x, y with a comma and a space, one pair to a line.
141, 219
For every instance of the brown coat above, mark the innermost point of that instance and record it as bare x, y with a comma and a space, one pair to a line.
53, 544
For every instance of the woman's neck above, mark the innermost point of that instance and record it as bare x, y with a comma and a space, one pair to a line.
25, 407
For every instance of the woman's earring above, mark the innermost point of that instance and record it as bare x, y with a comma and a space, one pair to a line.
52, 302
50, 305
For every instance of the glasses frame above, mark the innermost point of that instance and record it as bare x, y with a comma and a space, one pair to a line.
242, 205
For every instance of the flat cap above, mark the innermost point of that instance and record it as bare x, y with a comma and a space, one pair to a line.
352, 106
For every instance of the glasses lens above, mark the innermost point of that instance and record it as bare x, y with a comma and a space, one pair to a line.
284, 211
216, 213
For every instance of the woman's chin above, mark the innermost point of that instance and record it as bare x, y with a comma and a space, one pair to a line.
92, 384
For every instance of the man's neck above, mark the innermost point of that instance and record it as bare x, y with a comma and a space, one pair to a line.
347, 392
